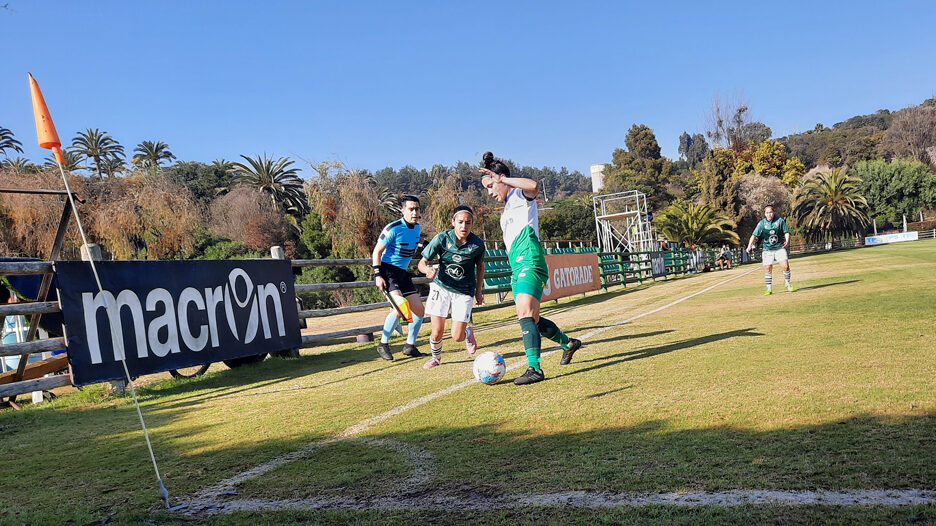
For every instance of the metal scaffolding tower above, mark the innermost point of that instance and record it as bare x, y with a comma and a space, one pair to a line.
623, 223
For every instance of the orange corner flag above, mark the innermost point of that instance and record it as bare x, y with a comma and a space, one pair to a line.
45, 129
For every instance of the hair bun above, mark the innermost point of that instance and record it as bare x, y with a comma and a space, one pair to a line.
487, 160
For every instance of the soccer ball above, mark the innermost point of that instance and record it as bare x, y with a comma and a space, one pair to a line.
489, 367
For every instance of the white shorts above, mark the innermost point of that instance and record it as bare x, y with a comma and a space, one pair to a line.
441, 301
769, 257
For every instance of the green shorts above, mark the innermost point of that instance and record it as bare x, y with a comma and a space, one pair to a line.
529, 280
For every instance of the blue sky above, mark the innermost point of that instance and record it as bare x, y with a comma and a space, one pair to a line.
378, 84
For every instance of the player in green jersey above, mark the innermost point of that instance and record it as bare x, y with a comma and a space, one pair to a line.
456, 283
520, 224
771, 230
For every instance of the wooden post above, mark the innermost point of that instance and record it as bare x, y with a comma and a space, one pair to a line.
92, 252
277, 252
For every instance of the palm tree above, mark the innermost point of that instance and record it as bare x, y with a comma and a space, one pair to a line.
7, 142
72, 161
221, 163
97, 146
830, 206
150, 154
113, 165
20, 165
276, 178
696, 224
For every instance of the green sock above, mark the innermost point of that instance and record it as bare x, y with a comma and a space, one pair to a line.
549, 329
531, 342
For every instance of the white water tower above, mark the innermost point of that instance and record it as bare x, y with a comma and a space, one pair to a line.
597, 177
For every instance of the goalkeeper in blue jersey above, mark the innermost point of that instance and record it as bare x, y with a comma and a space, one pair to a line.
396, 246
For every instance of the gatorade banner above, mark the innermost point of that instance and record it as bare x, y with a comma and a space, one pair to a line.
571, 274
174, 314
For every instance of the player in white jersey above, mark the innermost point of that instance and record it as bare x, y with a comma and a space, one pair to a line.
520, 225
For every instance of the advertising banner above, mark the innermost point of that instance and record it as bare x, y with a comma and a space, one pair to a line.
892, 238
174, 314
571, 274
657, 264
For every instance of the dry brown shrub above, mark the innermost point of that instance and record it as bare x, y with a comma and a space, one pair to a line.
144, 216
28, 223
350, 209
248, 215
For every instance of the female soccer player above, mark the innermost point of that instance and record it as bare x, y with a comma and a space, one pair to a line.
456, 283
520, 224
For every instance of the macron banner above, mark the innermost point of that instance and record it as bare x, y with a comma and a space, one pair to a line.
174, 314
571, 274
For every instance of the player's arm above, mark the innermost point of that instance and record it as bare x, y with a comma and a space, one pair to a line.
530, 187
430, 252
479, 292
786, 234
424, 267
750, 244
379, 249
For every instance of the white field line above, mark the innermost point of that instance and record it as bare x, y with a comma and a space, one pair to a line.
584, 499
221, 497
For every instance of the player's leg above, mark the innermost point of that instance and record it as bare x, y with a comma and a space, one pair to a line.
461, 319
550, 330
768, 260
393, 318
408, 291
435, 341
785, 266
437, 306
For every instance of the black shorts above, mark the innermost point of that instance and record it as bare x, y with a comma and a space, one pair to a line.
397, 279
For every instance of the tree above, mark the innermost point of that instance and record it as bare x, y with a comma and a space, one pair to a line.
726, 119
911, 134
640, 167
143, 218
277, 179
571, 218
19, 165
830, 206
7, 142
754, 193
894, 189
72, 162
793, 170
247, 214
150, 154
205, 182
769, 158
718, 184
695, 224
756, 132
98, 146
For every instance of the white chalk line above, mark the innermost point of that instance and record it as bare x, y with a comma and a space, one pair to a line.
593, 500
221, 497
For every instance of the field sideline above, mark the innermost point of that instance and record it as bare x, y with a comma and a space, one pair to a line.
828, 389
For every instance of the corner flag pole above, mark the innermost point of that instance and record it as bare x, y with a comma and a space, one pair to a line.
48, 138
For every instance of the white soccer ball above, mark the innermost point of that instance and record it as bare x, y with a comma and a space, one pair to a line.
489, 367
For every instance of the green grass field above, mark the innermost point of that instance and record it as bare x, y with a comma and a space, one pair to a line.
828, 388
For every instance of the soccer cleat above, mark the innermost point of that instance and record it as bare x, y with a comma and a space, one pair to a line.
471, 345
531, 376
790, 287
574, 345
768, 292
433, 362
410, 350
384, 351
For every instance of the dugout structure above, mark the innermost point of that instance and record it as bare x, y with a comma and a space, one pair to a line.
623, 222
